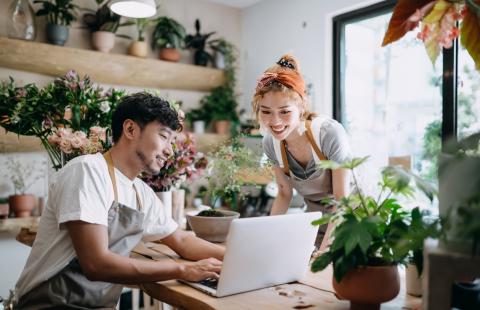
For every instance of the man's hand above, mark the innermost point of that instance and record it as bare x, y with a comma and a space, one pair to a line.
202, 269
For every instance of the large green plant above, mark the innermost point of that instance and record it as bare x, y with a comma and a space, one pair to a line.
168, 33
371, 231
58, 12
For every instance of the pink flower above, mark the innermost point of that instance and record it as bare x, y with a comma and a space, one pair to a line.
80, 134
76, 142
67, 115
72, 74
66, 146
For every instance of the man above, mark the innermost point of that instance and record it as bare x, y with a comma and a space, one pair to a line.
98, 210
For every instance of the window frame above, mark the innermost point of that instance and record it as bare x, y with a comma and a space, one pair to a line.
449, 67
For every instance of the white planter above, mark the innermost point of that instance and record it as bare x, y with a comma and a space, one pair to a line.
199, 127
166, 198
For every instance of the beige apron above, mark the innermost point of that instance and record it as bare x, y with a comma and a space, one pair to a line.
69, 288
309, 188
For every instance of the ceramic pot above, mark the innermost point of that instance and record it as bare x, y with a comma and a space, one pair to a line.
199, 127
4, 209
222, 127
103, 41
57, 34
368, 287
169, 54
22, 205
213, 229
219, 61
138, 49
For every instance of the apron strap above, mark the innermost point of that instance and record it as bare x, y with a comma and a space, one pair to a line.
286, 168
111, 171
311, 139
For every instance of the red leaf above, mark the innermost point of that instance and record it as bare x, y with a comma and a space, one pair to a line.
470, 35
398, 25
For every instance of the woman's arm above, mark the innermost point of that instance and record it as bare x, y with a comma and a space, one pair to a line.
341, 188
282, 201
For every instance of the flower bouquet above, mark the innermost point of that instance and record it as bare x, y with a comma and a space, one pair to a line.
62, 114
185, 164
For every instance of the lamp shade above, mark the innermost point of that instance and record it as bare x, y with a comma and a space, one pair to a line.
134, 8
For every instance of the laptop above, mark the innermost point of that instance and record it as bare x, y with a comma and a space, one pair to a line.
263, 252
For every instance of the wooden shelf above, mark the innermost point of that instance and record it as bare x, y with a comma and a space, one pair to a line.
10, 142
14, 224
106, 68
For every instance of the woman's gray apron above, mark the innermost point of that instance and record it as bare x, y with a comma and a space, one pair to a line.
69, 288
310, 188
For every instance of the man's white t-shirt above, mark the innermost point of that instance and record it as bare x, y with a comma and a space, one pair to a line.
83, 191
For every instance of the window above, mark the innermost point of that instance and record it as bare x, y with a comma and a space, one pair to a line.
396, 106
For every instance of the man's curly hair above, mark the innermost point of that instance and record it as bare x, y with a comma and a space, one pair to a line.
143, 108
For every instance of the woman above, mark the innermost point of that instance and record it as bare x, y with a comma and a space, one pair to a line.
296, 139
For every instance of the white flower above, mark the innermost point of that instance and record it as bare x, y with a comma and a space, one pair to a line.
105, 106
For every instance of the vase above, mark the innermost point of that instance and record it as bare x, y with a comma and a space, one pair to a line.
166, 198
413, 282
21, 20
178, 205
138, 49
22, 205
222, 127
169, 54
199, 127
103, 41
57, 34
219, 61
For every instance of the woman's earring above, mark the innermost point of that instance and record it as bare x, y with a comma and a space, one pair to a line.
301, 128
263, 130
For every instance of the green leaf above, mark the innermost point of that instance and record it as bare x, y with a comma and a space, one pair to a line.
321, 262
323, 220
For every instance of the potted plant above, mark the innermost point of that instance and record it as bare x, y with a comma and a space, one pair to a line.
368, 230
221, 105
168, 36
224, 53
459, 199
103, 24
196, 118
197, 42
139, 48
60, 14
225, 182
23, 176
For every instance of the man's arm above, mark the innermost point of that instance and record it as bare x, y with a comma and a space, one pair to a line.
190, 247
100, 264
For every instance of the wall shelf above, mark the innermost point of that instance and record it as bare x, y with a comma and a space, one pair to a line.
106, 68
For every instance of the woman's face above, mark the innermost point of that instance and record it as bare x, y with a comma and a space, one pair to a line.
280, 114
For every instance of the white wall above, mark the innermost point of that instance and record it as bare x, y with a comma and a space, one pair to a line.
304, 28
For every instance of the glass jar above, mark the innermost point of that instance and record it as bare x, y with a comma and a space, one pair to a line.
21, 20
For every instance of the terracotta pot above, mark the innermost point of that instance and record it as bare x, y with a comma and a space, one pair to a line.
4, 208
368, 287
214, 229
222, 127
103, 41
169, 54
138, 49
22, 205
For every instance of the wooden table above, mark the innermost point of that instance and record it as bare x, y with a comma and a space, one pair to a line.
313, 292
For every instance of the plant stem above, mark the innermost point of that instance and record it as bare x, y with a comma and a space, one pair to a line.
362, 200
380, 195
383, 202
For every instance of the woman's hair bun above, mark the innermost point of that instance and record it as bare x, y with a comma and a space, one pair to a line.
288, 61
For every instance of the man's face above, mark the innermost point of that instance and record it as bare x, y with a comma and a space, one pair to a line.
154, 147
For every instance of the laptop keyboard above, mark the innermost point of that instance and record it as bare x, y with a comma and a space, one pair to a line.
210, 282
